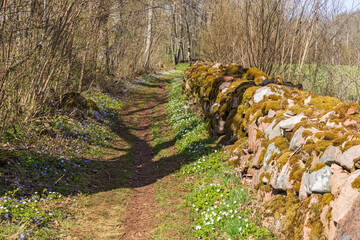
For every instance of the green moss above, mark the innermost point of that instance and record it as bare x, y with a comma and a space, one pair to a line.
282, 160
261, 158
297, 175
307, 133
239, 144
357, 160
297, 109
233, 69
317, 167
304, 124
296, 187
266, 188
259, 80
342, 108
326, 135
260, 134
308, 148
322, 145
267, 119
351, 144
281, 143
242, 109
273, 105
253, 73
356, 183
324, 102
248, 94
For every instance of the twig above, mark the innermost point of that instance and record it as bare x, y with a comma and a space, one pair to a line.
59, 178
107, 173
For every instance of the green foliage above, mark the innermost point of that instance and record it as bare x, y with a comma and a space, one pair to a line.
217, 199
49, 168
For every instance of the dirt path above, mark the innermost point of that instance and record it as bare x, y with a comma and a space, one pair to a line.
121, 203
141, 209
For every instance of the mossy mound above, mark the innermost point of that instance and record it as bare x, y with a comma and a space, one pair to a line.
7, 156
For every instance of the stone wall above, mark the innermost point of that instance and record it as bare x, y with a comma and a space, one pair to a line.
301, 151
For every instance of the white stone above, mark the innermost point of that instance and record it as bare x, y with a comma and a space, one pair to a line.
318, 181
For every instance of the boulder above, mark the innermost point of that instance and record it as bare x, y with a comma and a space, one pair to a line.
337, 179
263, 92
318, 181
348, 157
273, 130
289, 124
331, 155
271, 149
281, 180
346, 200
298, 140
345, 159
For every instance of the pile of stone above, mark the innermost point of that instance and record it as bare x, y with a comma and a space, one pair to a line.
301, 151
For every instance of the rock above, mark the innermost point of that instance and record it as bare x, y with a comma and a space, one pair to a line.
297, 140
235, 102
349, 122
307, 100
256, 178
335, 155
244, 160
289, 124
273, 130
271, 149
271, 113
281, 181
220, 127
264, 91
226, 79
348, 157
337, 179
344, 203
224, 86
348, 227
331, 155
328, 116
302, 192
262, 125
256, 163
318, 181
252, 131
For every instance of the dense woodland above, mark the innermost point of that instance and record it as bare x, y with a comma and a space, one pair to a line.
49, 48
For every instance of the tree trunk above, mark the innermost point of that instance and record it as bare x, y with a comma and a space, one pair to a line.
149, 35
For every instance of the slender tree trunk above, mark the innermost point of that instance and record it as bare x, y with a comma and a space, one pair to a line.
149, 35
83, 66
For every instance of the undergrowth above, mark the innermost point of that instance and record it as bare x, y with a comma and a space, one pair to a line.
45, 165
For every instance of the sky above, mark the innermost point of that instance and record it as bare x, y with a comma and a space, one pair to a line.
350, 4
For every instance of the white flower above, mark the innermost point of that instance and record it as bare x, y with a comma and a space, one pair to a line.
240, 229
198, 227
234, 202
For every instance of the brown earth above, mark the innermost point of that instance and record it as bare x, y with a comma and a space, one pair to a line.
121, 203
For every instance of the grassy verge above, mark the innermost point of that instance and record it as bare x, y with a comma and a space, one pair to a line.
214, 204
46, 165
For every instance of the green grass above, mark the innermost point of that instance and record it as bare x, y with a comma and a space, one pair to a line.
214, 203
333, 80
47, 168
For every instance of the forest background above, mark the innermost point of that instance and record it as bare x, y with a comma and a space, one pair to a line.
49, 48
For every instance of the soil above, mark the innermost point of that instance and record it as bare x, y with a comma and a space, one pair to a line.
121, 201
140, 211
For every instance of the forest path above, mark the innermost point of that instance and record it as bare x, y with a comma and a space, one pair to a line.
124, 204
140, 218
